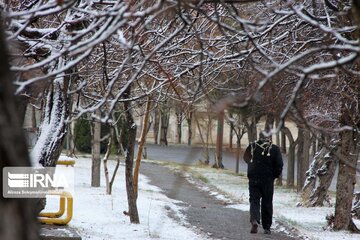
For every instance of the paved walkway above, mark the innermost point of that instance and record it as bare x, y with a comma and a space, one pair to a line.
204, 211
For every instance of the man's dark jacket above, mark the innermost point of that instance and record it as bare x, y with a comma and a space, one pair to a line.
264, 160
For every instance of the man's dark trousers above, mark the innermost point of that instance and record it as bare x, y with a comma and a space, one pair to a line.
261, 190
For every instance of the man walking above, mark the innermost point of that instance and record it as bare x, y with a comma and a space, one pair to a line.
264, 165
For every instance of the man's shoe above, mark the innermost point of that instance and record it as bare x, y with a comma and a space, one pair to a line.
254, 227
267, 231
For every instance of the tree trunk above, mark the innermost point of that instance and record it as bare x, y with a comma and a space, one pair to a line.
268, 126
305, 156
156, 124
142, 142
33, 118
118, 132
53, 126
18, 218
345, 182
219, 141
313, 147
251, 129
326, 174
269, 123
205, 142
349, 145
322, 171
239, 132
129, 162
189, 121
300, 159
165, 117
106, 170
109, 182
179, 118
311, 175
238, 150
70, 147
95, 151
290, 158
283, 142
231, 134
277, 135
349, 155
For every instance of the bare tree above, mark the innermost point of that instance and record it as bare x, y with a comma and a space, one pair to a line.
129, 161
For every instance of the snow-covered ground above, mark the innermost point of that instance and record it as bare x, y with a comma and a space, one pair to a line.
100, 216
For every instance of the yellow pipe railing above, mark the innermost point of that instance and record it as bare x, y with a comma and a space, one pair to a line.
57, 214
66, 162
57, 220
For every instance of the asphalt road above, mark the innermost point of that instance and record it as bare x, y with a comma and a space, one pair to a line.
191, 155
184, 154
204, 212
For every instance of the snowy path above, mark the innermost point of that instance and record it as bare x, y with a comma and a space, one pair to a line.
203, 210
